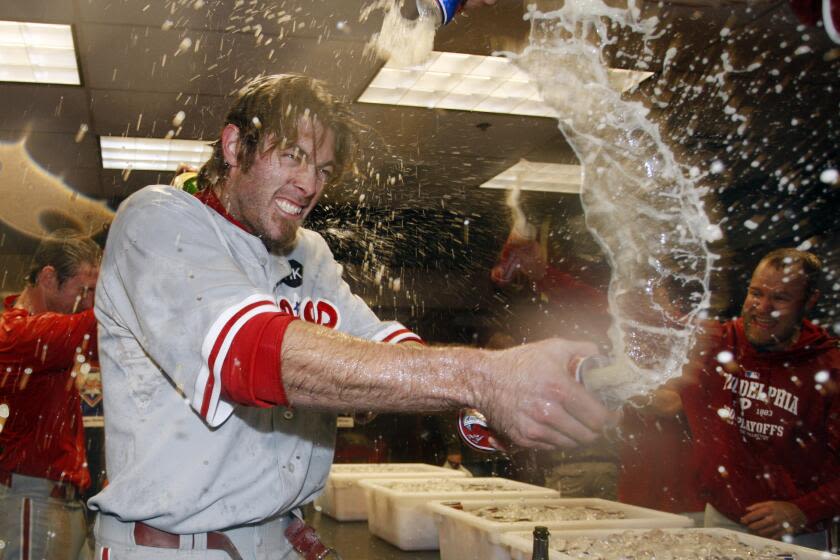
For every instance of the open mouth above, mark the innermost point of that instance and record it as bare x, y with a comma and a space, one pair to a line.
765, 324
289, 208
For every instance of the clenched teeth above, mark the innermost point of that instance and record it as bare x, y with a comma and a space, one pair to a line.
289, 208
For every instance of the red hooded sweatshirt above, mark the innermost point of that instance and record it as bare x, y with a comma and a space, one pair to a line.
766, 425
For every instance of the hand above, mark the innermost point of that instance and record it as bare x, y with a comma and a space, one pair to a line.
185, 168
532, 399
476, 3
662, 403
774, 519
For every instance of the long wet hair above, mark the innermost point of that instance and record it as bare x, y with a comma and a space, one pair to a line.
267, 113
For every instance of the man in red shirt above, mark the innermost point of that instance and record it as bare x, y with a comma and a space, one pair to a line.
47, 340
761, 400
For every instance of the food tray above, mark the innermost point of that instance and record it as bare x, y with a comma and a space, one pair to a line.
343, 499
463, 534
400, 516
520, 545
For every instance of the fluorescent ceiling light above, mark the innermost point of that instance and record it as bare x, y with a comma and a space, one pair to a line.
538, 176
152, 154
37, 52
470, 82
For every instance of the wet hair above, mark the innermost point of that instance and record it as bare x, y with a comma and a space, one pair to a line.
810, 263
269, 109
65, 250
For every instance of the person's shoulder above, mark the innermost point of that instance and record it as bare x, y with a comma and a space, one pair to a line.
159, 197
157, 206
312, 243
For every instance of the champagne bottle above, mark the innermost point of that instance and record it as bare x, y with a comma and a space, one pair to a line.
540, 544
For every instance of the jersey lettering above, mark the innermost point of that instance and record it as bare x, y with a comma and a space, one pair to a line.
754, 390
321, 312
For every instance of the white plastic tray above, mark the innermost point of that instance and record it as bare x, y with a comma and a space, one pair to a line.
402, 518
465, 535
343, 499
520, 543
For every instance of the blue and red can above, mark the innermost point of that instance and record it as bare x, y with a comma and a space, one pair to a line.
441, 10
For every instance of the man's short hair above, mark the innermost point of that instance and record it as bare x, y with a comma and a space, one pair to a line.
810, 263
270, 107
65, 250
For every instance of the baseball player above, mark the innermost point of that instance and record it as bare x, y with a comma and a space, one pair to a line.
46, 345
228, 342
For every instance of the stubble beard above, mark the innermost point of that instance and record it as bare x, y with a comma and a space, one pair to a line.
285, 241
772, 342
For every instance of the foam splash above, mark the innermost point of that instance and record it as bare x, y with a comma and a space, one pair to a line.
403, 41
645, 212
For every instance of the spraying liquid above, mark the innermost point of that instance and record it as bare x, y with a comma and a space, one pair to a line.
645, 213
404, 41
521, 230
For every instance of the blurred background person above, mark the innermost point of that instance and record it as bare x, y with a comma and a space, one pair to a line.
47, 336
760, 397
561, 300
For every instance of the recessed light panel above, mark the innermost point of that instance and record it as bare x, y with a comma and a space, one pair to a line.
470, 82
37, 52
152, 154
538, 176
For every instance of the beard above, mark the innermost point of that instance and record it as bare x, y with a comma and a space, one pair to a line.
283, 239
776, 338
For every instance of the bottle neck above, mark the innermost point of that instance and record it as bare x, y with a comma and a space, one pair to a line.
540, 544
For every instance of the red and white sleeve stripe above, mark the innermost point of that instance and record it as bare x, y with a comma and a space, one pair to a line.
395, 334
214, 349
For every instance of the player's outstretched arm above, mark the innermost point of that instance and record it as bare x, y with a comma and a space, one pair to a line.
524, 391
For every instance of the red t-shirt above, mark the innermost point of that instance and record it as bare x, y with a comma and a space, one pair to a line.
767, 425
43, 435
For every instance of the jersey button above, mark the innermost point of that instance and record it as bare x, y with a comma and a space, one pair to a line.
288, 414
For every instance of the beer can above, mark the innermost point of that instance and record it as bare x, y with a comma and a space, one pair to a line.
579, 366
472, 424
441, 10
473, 429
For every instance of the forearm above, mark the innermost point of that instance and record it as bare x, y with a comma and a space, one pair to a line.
822, 503
327, 370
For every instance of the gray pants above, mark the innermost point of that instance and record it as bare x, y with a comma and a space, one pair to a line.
47, 527
266, 541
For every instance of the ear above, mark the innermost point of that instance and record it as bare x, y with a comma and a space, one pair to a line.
812, 301
47, 278
230, 144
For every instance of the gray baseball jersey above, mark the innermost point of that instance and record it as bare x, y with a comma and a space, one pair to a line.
178, 281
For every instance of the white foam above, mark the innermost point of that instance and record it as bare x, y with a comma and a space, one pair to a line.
402, 41
638, 193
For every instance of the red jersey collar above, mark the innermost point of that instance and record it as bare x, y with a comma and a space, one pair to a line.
208, 197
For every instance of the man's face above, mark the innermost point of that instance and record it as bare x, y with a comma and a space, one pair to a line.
75, 294
282, 186
776, 303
